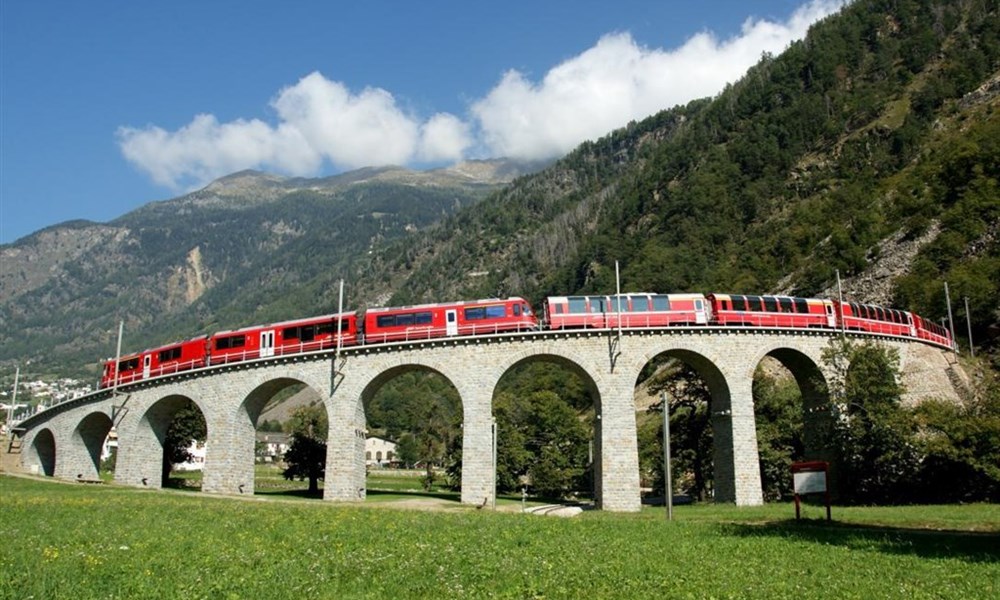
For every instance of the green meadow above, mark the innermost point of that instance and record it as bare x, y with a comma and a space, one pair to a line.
65, 540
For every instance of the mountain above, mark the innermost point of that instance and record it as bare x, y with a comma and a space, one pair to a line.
870, 149
250, 247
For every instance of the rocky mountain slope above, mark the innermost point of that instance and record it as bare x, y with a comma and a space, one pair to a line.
249, 247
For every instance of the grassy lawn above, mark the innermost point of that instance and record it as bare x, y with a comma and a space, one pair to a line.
73, 541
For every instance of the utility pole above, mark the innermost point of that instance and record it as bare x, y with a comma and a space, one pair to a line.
840, 299
968, 323
951, 323
118, 355
13, 402
668, 487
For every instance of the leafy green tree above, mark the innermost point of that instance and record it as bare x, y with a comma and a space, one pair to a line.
690, 432
961, 446
778, 415
188, 425
872, 435
540, 439
306, 455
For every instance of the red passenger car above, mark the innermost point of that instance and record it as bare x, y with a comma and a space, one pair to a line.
165, 360
932, 332
631, 310
477, 317
875, 319
772, 311
289, 337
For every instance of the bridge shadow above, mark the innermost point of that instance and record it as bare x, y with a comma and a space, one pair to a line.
968, 546
290, 493
450, 496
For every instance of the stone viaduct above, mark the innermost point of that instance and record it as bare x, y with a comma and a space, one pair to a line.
65, 441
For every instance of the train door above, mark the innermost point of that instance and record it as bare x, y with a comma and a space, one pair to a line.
451, 321
831, 317
700, 314
146, 362
267, 343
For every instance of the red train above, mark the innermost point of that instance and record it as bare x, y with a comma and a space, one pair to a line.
379, 325
485, 317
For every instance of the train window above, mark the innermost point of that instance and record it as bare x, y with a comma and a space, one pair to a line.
517, 310
290, 333
739, 303
753, 302
558, 308
345, 325
496, 312
801, 306
128, 365
881, 313
170, 354
661, 303
597, 305
405, 319
423, 318
324, 328
235, 341
475, 314
786, 305
770, 304
577, 305
385, 320
639, 303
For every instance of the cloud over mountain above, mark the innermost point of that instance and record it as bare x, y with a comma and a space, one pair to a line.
319, 121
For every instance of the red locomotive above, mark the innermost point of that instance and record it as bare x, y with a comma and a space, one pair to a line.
157, 361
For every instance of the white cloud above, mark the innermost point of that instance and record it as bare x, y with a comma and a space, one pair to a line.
320, 121
617, 81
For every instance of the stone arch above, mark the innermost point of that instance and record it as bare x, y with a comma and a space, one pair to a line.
86, 444
720, 409
574, 365
141, 450
812, 382
41, 458
232, 469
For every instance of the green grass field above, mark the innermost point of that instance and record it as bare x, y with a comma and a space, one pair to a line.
64, 540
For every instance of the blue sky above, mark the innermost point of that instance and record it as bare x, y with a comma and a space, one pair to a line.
105, 106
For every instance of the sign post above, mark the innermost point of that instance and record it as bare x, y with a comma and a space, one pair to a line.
811, 478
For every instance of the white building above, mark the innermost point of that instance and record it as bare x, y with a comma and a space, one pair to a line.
379, 452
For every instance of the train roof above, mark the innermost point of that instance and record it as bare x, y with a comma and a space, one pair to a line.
685, 295
157, 348
285, 323
384, 309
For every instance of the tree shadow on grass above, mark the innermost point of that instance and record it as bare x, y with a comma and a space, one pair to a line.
925, 543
